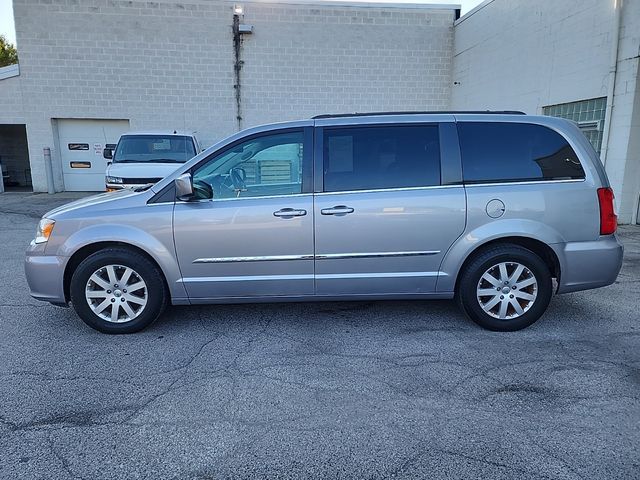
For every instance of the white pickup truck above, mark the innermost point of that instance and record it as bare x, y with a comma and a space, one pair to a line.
141, 158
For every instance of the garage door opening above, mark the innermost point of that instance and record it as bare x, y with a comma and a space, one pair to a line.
14, 158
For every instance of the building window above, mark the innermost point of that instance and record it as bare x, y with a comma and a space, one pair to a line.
588, 114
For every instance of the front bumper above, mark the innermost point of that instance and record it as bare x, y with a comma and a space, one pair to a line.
114, 187
45, 276
586, 265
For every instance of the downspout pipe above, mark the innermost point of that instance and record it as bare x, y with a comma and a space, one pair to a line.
611, 87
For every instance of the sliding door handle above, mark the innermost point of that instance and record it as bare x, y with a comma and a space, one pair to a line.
337, 210
290, 212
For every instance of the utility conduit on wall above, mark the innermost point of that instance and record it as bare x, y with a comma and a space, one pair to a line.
237, 67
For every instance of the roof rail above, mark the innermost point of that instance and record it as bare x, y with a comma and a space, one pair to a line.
450, 112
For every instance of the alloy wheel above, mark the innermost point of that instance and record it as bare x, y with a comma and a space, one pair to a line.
116, 293
507, 290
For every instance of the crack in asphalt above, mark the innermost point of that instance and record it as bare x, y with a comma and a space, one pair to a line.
231, 371
505, 466
88, 418
22, 214
555, 456
423, 449
63, 460
20, 305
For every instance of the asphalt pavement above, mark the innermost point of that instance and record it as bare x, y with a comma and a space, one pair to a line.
317, 390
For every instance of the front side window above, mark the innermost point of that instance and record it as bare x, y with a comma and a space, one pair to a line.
504, 152
381, 157
154, 149
263, 166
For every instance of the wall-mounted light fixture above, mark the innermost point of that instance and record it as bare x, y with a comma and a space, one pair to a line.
238, 16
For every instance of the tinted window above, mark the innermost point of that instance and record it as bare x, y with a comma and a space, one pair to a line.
263, 166
381, 157
154, 148
494, 152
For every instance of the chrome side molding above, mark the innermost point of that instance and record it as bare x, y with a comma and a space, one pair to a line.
270, 258
328, 256
331, 256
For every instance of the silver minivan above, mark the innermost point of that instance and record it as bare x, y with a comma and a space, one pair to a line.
498, 210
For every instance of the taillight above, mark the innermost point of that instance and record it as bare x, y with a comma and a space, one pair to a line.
608, 217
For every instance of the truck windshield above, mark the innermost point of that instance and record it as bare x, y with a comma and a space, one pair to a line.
154, 148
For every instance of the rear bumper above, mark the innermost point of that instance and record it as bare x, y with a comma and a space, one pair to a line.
45, 276
586, 265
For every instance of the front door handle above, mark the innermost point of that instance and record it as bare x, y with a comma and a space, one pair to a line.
290, 213
337, 210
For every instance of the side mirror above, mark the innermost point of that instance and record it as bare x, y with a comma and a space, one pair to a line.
184, 187
107, 153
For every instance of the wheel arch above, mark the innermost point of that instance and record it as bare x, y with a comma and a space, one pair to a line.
533, 235
91, 248
541, 249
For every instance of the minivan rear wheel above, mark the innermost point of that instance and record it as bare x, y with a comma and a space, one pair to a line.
505, 288
117, 290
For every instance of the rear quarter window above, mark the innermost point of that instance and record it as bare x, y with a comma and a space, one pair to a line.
504, 152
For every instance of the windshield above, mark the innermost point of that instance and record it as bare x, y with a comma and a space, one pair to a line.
154, 148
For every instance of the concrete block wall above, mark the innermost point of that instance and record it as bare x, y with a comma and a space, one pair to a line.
304, 60
170, 64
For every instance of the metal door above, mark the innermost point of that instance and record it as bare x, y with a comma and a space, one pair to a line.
258, 246
81, 143
386, 240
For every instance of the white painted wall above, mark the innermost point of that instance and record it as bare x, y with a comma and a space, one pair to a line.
524, 55
11, 101
168, 64
514, 54
623, 156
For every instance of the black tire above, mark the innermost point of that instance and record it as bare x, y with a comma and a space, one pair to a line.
467, 291
156, 292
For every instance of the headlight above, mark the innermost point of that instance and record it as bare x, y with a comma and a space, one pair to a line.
45, 227
114, 179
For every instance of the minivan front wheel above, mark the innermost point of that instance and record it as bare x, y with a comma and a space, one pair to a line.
505, 288
117, 290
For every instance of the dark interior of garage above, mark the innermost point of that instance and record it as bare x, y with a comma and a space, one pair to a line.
14, 158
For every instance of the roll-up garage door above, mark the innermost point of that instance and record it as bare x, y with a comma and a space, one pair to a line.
81, 145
